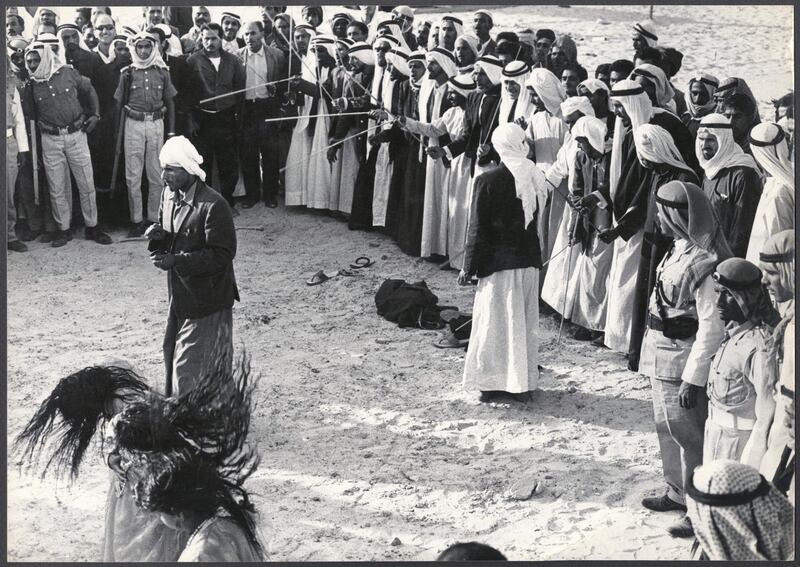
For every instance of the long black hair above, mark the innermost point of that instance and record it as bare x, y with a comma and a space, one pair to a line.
190, 454
184, 480
72, 412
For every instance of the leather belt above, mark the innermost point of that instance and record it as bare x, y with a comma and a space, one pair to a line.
655, 323
144, 116
729, 420
61, 130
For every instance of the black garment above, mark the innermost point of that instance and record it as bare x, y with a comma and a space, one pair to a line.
734, 194
102, 140
217, 138
497, 238
654, 247
635, 182
408, 182
481, 118
187, 83
398, 149
87, 63
260, 142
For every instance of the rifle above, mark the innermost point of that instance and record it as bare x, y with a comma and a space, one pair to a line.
34, 149
126, 81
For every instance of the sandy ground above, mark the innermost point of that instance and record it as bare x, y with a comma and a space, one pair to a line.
371, 450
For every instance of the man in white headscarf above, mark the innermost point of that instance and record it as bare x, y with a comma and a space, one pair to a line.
775, 212
432, 105
231, 24
777, 262
466, 52
502, 357
630, 186
599, 94
699, 100
546, 127
63, 123
146, 115
450, 28
451, 123
515, 101
585, 304
656, 85
732, 181
195, 243
405, 15
644, 35
556, 233
75, 52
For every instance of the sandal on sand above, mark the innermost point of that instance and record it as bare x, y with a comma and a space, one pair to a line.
361, 262
450, 341
320, 277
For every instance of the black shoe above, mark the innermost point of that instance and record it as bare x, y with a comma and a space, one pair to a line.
633, 362
584, 335
29, 235
681, 528
248, 204
48, 236
94, 233
271, 202
17, 246
60, 239
138, 229
662, 504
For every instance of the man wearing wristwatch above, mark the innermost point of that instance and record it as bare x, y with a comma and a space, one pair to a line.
145, 94
65, 107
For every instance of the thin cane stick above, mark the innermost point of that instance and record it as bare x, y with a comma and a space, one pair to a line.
316, 116
244, 90
326, 148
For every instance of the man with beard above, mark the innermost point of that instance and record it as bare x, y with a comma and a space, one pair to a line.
214, 123
190, 41
740, 402
146, 115
732, 181
544, 42
433, 104
404, 15
63, 126
644, 35
231, 23
262, 64
699, 100
482, 24
75, 52
631, 184
450, 28
422, 34
195, 243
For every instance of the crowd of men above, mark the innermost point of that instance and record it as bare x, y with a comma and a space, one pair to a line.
388, 122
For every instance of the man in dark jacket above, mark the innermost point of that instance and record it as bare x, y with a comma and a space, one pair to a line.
195, 243
215, 123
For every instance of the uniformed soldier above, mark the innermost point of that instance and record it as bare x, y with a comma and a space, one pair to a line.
144, 93
740, 406
65, 107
